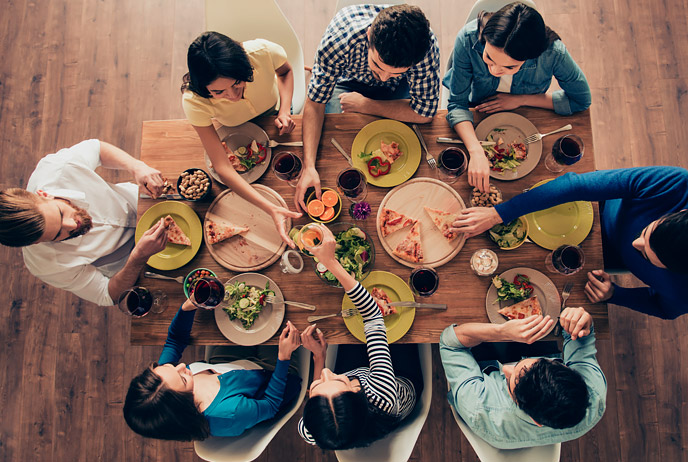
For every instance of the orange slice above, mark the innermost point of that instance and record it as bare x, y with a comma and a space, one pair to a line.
329, 198
328, 214
316, 208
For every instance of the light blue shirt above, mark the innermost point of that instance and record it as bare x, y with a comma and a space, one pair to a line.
484, 403
469, 80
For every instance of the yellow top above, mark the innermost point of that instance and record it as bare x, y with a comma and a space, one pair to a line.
259, 95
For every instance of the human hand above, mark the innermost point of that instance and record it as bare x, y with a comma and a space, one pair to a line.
325, 251
288, 342
313, 340
528, 330
499, 102
279, 217
152, 241
479, 170
284, 123
599, 287
575, 321
188, 305
309, 178
148, 178
475, 220
353, 102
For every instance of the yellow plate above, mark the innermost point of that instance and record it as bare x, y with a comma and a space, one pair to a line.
174, 255
368, 140
398, 291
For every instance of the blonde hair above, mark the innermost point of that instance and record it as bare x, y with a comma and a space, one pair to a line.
21, 221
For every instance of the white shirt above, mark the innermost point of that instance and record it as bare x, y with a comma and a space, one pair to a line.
83, 265
505, 83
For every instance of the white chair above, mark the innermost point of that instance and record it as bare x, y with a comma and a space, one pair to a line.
260, 19
252, 442
488, 453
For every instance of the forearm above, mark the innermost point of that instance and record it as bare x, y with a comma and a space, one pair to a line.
347, 280
127, 276
312, 123
397, 109
474, 333
115, 158
318, 365
467, 134
285, 87
543, 100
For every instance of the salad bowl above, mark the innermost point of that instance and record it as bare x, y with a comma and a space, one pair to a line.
355, 251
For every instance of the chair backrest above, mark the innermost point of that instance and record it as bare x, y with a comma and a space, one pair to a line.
253, 441
260, 19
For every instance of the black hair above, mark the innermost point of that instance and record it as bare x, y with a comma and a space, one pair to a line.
153, 410
346, 421
669, 240
401, 35
552, 394
518, 29
211, 56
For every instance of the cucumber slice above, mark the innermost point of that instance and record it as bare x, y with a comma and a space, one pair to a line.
243, 303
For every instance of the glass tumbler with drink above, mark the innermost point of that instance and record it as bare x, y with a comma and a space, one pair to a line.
207, 292
138, 301
287, 167
424, 281
311, 236
565, 259
351, 182
452, 162
567, 150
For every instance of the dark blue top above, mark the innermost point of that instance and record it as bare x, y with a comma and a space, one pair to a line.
632, 198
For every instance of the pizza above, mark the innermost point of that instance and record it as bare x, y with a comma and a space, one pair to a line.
410, 249
217, 231
390, 151
522, 310
391, 221
443, 221
175, 235
382, 300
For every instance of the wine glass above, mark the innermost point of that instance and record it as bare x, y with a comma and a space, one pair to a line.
352, 183
138, 301
287, 167
452, 162
565, 260
567, 150
207, 292
424, 281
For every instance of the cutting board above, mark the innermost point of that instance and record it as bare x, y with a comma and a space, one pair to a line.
256, 249
410, 199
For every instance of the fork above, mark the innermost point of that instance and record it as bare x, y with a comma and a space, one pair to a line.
564, 297
431, 160
274, 144
535, 137
271, 299
148, 274
344, 314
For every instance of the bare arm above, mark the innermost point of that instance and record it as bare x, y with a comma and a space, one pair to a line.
285, 87
397, 109
478, 165
508, 102
526, 330
115, 158
312, 123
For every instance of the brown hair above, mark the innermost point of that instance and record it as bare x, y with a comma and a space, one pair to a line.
21, 222
401, 35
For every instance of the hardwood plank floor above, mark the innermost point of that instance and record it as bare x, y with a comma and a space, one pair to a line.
78, 69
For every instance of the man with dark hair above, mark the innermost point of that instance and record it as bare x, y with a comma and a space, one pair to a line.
76, 230
644, 218
376, 60
536, 401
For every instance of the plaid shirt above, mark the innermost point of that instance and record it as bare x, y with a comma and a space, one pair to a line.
343, 55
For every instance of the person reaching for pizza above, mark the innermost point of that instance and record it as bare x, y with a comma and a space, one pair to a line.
535, 402
362, 400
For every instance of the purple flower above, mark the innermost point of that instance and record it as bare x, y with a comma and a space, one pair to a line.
360, 211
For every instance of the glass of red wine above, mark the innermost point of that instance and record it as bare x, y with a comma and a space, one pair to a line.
138, 301
424, 281
351, 182
567, 150
452, 162
207, 292
287, 167
565, 260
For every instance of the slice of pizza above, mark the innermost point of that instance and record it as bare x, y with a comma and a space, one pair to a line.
522, 310
216, 231
175, 235
443, 221
391, 221
382, 299
391, 151
410, 249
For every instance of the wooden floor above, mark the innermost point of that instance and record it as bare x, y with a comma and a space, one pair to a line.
77, 69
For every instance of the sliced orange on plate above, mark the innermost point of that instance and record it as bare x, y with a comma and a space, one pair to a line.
329, 198
328, 214
316, 208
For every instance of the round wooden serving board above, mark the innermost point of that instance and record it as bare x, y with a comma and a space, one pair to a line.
410, 199
256, 249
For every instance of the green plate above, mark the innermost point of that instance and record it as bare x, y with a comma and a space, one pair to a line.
368, 140
568, 223
174, 255
398, 291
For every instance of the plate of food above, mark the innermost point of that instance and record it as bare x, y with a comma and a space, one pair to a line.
184, 234
521, 292
568, 223
387, 152
385, 288
247, 148
240, 236
509, 236
510, 158
355, 252
413, 223
244, 317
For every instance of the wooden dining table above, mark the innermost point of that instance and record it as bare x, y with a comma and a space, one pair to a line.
172, 146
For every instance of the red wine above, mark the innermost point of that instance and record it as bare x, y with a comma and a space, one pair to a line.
567, 150
571, 258
208, 293
452, 159
350, 179
424, 281
139, 302
287, 166
351, 183
567, 259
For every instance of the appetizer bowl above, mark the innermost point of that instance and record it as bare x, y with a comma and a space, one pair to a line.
351, 253
193, 276
510, 236
325, 210
194, 184
488, 199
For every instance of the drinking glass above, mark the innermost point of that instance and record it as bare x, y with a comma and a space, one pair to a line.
287, 167
452, 162
291, 262
352, 183
565, 259
207, 292
311, 236
424, 281
567, 150
138, 301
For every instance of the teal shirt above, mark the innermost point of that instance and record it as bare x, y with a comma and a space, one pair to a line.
484, 403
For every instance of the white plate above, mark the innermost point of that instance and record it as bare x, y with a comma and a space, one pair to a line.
268, 322
543, 287
253, 131
517, 128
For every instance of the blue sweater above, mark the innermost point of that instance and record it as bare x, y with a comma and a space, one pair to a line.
241, 403
632, 199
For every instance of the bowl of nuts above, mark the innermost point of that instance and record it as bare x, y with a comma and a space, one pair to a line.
486, 199
194, 184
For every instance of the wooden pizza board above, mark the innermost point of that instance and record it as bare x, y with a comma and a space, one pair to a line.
410, 199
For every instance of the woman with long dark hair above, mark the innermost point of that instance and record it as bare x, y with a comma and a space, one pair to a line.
502, 61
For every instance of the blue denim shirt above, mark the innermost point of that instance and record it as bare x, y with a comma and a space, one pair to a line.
469, 80
484, 403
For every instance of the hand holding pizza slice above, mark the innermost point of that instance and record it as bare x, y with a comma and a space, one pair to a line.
175, 235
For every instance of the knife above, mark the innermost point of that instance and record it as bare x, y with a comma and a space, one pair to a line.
441, 139
437, 306
342, 151
176, 197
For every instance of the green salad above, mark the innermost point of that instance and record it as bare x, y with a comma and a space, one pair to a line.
248, 302
507, 235
518, 290
352, 251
